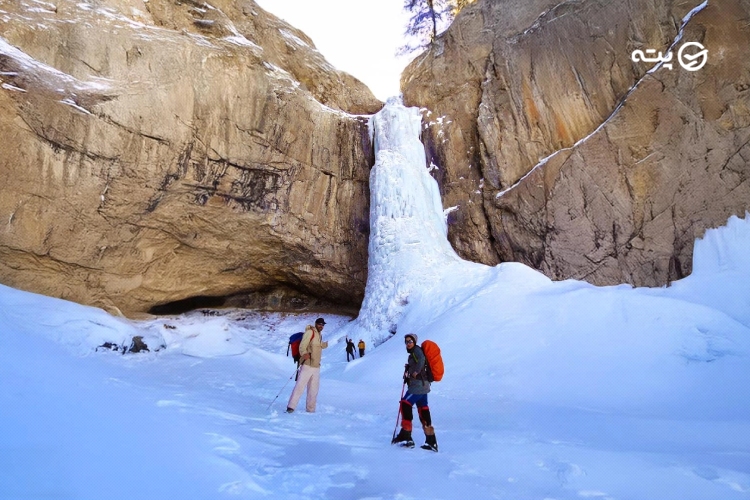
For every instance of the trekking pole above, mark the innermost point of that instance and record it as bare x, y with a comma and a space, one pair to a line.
399, 411
282, 389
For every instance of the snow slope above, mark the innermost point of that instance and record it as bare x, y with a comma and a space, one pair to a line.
553, 390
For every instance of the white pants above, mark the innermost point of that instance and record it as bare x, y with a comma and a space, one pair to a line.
310, 377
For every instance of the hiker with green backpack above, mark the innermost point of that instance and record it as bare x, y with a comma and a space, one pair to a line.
308, 376
417, 376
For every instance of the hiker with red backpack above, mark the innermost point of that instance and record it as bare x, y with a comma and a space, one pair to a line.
308, 376
417, 377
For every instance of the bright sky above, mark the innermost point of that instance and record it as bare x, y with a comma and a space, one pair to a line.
358, 37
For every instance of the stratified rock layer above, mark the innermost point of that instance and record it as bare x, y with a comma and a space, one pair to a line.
156, 151
564, 154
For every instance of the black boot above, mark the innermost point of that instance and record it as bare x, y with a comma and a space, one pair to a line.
404, 438
430, 443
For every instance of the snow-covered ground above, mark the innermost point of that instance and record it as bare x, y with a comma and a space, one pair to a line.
553, 390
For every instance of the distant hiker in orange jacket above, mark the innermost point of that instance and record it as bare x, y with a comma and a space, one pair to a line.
361, 346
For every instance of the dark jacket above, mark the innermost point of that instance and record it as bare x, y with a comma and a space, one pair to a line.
415, 371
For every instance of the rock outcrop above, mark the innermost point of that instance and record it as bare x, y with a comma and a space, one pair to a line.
161, 150
562, 153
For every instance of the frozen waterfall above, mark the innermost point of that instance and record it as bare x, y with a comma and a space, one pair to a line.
408, 249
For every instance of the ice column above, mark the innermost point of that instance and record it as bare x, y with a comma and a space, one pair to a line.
408, 246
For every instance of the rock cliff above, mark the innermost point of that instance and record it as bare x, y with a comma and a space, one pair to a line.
163, 150
563, 153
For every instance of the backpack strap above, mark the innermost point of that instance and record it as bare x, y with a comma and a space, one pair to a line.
423, 374
311, 338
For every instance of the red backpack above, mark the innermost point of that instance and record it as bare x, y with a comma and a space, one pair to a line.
294, 341
434, 364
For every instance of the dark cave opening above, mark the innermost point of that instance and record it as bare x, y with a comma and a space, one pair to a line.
186, 305
275, 299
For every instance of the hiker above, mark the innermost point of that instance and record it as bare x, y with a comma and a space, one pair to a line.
349, 349
415, 377
310, 349
361, 346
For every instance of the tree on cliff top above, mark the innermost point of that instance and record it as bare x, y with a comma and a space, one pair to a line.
429, 18
457, 5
